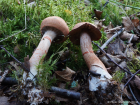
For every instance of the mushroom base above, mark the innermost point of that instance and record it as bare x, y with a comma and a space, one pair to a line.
102, 81
29, 81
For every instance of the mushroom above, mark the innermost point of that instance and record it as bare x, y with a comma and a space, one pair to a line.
53, 29
83, 33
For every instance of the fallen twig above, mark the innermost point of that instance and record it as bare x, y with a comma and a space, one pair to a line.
21, 64
3, 76
66, 93
9, 81
110, 58
131, 77
128, 43
133, 94
118, 65
110, 39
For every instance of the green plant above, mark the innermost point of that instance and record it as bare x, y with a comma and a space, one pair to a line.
45, 71
134, 64
13, 16
118, 76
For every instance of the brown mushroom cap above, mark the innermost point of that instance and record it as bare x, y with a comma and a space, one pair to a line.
79, 28
56, 24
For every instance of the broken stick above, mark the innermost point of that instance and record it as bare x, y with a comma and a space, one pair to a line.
110, 39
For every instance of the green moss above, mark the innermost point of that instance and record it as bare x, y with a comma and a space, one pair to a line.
134, 65
118, 76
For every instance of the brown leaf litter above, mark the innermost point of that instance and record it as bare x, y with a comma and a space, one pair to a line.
65, 75
116, 47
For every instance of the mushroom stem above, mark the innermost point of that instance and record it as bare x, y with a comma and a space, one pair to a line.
87, 51
41, 50
93, 63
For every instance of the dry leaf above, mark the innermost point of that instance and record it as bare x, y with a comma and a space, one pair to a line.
110, 26
15, 65
106, 62
135, 84
129, 51
65, 75
130, 23
134, 20
26, 62
113, 30
99, 24
98, 13
122, 64
64, 55
16, 49
116, 47
127, 24
126, 36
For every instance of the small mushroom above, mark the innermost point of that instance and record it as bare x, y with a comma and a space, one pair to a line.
83, 33
53, 29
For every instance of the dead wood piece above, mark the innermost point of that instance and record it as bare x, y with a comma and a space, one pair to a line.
4, 75
66, 93
113, 30
9, 81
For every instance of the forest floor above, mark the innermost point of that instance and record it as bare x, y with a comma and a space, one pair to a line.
62, 76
